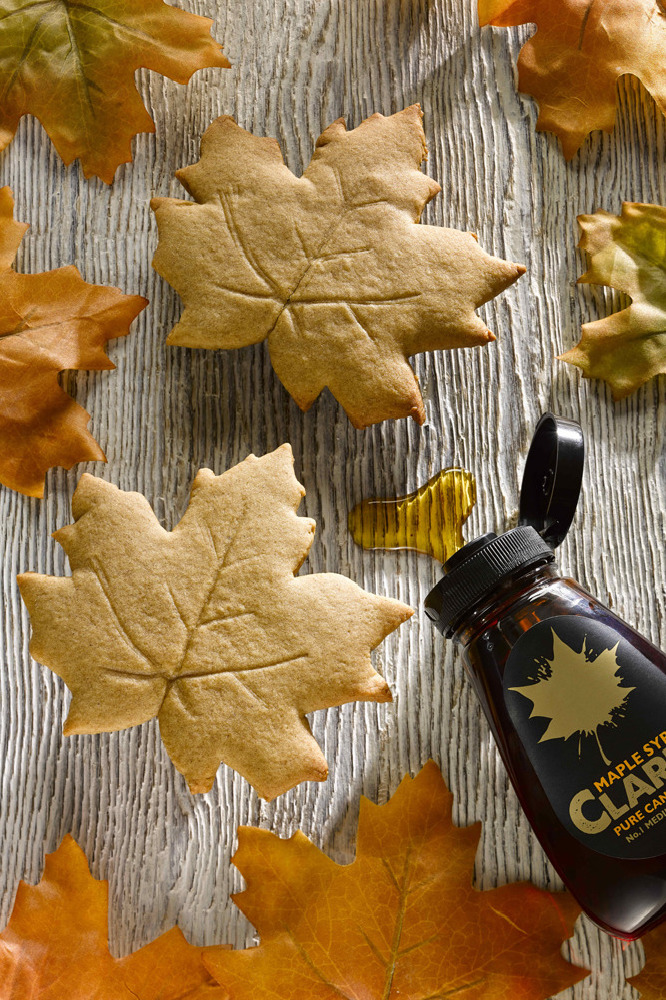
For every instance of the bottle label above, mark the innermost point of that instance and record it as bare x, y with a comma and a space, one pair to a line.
590, 711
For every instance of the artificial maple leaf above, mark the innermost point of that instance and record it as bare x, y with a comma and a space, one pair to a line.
206, 626
55, 945
71, 64
628, 252
581, 48
651, 981
329, 267
401, 921
578, 694
49, 322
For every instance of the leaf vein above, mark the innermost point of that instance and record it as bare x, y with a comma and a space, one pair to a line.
76, 51
112, 20
317, 971
127, 638
237, 237
27, 49
397, 931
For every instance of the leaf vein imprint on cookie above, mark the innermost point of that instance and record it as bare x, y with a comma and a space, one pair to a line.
236, 233
122, 627
178, 672
319, 255
208, 627
332, 269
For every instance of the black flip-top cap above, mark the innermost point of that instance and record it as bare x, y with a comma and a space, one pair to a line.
552, 477
549, 495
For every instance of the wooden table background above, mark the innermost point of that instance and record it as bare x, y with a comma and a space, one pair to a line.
298, 65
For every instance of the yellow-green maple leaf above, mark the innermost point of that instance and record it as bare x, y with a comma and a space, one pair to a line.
71, 64
627, 252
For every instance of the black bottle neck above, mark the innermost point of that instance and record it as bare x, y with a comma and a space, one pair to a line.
478, 569
512, 590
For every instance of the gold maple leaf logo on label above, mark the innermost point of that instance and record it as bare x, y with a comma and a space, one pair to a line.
579, 694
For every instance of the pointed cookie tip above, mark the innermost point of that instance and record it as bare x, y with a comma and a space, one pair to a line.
570, 357
417, 413
383, 695
199, 786
315, 771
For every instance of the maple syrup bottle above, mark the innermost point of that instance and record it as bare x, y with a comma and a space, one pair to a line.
575, 698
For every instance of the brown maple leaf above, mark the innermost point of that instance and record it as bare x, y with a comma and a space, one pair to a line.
207, 626
627, 252
651, 981
71, 64
580, 50
329, 267
48, 323
402, 921
55, 945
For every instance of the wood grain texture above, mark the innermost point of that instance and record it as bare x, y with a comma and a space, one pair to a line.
296, 66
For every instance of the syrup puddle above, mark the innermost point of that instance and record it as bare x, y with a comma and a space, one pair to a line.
429, 520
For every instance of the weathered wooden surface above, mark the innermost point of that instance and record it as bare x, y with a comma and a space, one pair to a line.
297, 65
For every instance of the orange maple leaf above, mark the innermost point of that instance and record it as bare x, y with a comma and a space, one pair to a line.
651, 981
71, 65
581, 49
48, 323
55, 945
402, 921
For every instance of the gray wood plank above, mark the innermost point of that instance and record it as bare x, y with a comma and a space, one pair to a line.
298, 65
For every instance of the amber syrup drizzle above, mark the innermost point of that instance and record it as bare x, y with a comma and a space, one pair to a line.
428, 520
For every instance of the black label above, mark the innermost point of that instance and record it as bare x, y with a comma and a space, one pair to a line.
590, 711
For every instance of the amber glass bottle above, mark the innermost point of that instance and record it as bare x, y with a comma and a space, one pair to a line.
576, 698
